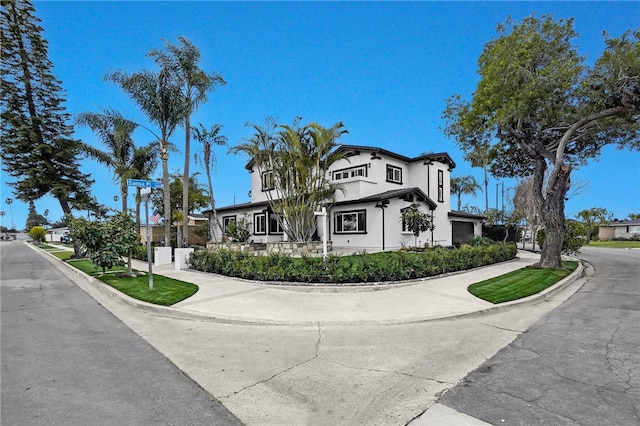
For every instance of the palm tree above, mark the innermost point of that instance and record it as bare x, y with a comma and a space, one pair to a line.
114, 132
181, 62
159, 97
208, 160
464, 185
298, 158
144, 162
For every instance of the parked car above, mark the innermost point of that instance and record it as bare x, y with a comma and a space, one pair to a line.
66, 239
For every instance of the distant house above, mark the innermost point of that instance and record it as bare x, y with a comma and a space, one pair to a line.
54, 234
377, 185
198, 233
626, 229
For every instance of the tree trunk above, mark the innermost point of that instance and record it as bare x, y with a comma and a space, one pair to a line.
164, 156
552, 213
185, 183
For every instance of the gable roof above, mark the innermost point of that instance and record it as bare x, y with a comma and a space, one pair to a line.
349, 150
441, 157
460, 213
394, 193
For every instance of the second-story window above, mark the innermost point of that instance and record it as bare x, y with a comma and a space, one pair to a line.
394, 174
268, 182
350, 172
440, 186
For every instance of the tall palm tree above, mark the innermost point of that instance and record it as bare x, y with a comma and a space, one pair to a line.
115, 133
144, 162
181, 62
208, 160
464, 185
159, 97
298, 158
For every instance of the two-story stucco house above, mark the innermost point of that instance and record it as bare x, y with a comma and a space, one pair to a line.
377, 185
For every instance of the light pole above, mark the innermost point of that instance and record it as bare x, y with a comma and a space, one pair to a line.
115, 199
9, 201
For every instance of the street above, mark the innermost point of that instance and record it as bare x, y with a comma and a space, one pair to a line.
66, 360
578, 365
315, 375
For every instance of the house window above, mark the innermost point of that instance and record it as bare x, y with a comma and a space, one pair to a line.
350, 172
440, 186
259, 223
394, 174
350, 222
274, 225
268, 181
226, 220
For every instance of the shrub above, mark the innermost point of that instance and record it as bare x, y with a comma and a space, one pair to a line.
38, 234
388, 266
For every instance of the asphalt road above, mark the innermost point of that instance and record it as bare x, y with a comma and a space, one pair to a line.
580, 364
66, 360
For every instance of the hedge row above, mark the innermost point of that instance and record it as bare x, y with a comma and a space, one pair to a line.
375, 267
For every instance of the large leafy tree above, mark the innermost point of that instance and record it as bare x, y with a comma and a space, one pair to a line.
197, 198
37, 145
295, 159
181, 62
33, 218
466, 185
159, 97
208, 138
548, 110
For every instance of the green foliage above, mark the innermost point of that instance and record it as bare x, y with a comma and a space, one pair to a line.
464, 185
33, 218
293, 161
633, 216
38, 233
197, 196
548, 109
239, 230
107, 242
377, 267
574, 239
416, 221
592, 218
38, 148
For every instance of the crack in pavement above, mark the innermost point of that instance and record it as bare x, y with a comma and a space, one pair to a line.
502, 328
317, 345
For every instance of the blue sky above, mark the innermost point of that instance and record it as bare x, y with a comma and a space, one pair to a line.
384, 69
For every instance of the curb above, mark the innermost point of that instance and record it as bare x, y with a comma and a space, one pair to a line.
91, 285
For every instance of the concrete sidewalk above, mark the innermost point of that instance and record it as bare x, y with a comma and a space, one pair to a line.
225, 299
235, 300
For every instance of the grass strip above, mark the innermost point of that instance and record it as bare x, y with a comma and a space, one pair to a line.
62, 255
615, 244
521, 283
166, 291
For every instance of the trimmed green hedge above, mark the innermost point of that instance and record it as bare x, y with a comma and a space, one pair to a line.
375, 267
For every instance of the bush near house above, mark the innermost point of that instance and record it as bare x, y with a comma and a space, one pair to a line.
376, 267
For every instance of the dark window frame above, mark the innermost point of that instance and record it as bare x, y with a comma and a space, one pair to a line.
350, 172
393, 169
440, 186
226, 220
274, 223
268, 180
256, 217
360, 222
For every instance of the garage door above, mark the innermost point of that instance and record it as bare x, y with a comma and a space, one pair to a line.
461, 232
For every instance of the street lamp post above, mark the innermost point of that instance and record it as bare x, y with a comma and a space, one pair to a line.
116, 198
9, 201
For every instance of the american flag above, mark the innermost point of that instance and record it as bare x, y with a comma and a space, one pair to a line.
155, 217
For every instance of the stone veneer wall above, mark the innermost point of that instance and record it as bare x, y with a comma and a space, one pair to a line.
293, 249
297, 249
243, 247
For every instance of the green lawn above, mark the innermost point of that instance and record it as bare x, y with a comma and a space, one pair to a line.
521, 283
166, 291
62, 255
615, 244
